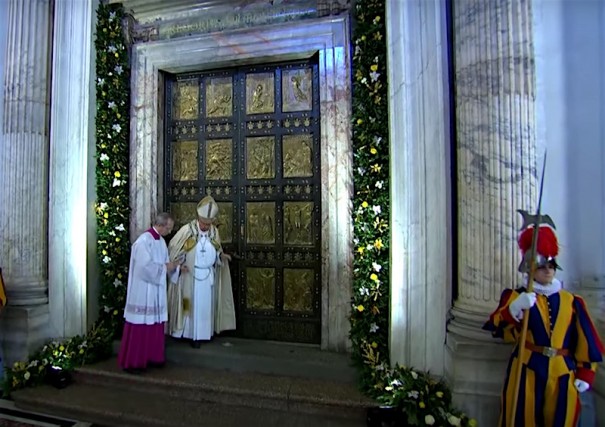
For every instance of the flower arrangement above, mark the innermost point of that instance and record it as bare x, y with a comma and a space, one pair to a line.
112, 211
422, 399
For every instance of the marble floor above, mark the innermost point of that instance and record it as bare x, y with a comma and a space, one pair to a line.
10, 416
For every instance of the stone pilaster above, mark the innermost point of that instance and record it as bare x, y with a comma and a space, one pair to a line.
24, 173
72, 166
496, 173
420, 196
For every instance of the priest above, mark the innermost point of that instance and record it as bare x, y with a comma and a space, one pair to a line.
200, 297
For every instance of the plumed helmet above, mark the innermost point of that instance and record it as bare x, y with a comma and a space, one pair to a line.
547, 247
207, 209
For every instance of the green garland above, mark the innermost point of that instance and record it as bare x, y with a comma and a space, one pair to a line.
422, 399
371, 204
112, 212
113, 151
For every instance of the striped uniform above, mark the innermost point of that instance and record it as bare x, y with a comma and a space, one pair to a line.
558, 323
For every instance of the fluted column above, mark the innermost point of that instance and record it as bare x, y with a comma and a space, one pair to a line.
495, 148
24, 153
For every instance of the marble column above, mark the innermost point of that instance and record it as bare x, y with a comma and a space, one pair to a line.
420, 182
72, 167
24, 172
496, 173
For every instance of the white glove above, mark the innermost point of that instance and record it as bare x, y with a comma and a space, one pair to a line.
581, 386
524, 301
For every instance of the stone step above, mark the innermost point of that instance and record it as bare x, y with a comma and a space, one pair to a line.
123, 408
234, 397
267, 357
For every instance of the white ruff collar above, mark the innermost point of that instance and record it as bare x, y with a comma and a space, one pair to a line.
548, 290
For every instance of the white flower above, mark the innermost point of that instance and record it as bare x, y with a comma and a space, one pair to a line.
396, 383
26, 375
118, 69
116, 182
376, 60
112, 16
357, 50
103, 206
120, 227
107, 309
111, 104
112, 233
106, 259
355, 241
379, 184
429, 420
364, 291
453, 420
376, 209
373, 328
117, 128
100, 81
369, 247
364, 80
361, 170
112, 49
104, 157
117, 283
376, 267
377, 140
388, 388
413, 394
374, 76
414, 374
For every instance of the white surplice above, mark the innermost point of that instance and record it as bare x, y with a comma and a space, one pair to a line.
146, 295
199, 321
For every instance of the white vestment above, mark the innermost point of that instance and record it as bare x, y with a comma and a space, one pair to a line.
201, 300
146, 294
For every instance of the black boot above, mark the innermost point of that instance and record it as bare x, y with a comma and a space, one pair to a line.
196, 344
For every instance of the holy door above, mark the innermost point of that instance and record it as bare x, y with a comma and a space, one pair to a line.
249, 137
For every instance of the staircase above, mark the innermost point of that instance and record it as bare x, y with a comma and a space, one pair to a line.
228, 382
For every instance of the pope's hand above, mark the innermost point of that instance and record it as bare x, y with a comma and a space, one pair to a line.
581, 386
171, 266
524, 301
226, 257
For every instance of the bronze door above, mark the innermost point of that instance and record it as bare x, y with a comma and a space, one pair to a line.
249, 137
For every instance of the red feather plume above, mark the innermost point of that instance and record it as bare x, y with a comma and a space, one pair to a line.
548, 246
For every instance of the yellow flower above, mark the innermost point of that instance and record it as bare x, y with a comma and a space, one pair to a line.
422, 405
439, 394
81, 351
105, 215
61, 348
376, 168
363, 38
360, 308
373, 277
373, 150
360, 249
374, 67
359, 121
115, 312
374, 344
377, 36
119, 275
118, 115
116, 54
364, 204
117, 174
117, 239
378, 244
472, 422
104, 252
377, 19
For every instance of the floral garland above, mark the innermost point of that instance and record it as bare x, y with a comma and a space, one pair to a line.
113, 151
420, 398
112, 212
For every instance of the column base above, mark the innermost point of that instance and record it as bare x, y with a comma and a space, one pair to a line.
23, 330
475, 370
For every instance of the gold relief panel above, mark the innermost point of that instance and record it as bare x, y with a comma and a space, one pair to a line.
219, 97
260, 157
298, 223
260, 93
260, 291
186, 100
297, 90
298, 289
184, 161
260, 223
225, 221
219, 157
183, 213
297, 155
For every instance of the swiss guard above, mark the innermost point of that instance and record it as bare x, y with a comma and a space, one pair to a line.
562, 347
